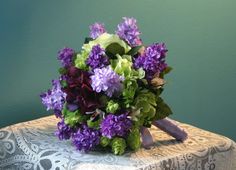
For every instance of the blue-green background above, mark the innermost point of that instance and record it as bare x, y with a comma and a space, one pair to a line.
200, 36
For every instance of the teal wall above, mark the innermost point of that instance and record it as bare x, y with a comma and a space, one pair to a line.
200, 36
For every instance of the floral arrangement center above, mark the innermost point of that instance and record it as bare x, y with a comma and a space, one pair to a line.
109, 93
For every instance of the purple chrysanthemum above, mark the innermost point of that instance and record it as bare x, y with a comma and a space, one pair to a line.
54, 99
65, 55
97, 57
152, 60
128, 31
105, 79
115, 125
63, 131
86, 138
96, 30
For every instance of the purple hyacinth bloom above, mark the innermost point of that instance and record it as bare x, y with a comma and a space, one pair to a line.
152, 60
86, 138
54, 99
65, 55
115, 125
105, 79
97, 57
96, 30
128, 31
63, 131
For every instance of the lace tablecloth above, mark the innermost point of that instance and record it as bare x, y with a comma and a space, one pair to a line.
32, 145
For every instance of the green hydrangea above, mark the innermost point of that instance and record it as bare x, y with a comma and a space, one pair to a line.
146, 102
112, 107
104, 141
122, 65
133, 139
80, 60
118, 146
130, 87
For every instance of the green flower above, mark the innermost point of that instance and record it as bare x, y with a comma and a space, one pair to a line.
130, 87
118, 146
80, 60
73, 118
133, 139
94, 124
146, 103
105, 40
112, 107
122, 65
104, 141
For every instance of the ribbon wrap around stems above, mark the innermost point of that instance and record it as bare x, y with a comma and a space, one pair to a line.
171, 128
168, 126
146, 136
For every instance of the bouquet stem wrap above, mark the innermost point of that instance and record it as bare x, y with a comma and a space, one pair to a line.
146, 136
168, 126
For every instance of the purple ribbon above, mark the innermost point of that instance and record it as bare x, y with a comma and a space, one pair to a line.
168, 126
146, 136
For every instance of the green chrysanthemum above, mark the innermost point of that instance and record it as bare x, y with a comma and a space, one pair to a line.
104, 141
118, 146
73, 118
112, 107
133, 139
80, 60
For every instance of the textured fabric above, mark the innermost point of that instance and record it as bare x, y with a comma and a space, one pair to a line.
32, 145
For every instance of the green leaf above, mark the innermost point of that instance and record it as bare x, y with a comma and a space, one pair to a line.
87, 39
134, 50
110, 55
159, 91
162, 109
167, 70
63, 83
95, 124
62, 70
115, 48
73, 118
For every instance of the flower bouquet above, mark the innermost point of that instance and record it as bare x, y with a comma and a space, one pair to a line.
108, 94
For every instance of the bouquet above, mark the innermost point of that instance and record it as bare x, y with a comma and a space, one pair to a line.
108, 94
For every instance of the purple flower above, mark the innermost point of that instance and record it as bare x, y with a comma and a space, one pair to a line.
152, 60
86, 138
128, 31
63, 131
96, 30
115, 125
65, 55
105, 79
97, 57
54, 99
